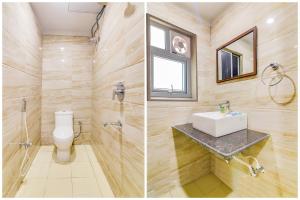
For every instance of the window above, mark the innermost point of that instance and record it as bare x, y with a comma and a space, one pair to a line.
171, 66
158, 37
231, 64
161, 79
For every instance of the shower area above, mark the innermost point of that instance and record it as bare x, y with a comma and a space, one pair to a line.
73, 56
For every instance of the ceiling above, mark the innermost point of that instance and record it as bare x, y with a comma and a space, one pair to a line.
66, 18
77, 18
207, 11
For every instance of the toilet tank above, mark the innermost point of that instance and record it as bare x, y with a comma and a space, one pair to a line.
64, 119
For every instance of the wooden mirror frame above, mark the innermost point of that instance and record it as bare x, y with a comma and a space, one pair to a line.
252, 30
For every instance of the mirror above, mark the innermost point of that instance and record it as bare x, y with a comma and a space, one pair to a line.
237, 58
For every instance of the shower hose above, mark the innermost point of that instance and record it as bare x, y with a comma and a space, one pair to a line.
26, 145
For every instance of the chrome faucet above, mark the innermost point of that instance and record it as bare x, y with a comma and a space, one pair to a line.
117, 124
119, 91
26, 145
224, 107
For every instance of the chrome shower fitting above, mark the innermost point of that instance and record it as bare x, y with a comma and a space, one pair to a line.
119, 91
254, 169
26, 145
24, 105
117, 124
76, 135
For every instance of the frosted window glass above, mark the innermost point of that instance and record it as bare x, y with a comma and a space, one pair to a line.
167, 73
158, 37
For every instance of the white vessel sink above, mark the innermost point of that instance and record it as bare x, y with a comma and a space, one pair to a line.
218, 124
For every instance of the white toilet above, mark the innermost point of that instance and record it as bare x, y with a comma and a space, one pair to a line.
63, 134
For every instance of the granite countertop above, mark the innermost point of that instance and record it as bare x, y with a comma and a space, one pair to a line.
226, 145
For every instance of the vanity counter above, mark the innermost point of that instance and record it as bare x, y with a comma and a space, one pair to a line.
227, 145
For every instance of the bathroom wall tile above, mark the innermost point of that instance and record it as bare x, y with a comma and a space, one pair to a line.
66, 82
173, 159
83, 139
120, 57
21, 70
18, 84
276, 41
21, 51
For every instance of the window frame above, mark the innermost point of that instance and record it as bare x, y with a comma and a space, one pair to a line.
240, 61
152, 51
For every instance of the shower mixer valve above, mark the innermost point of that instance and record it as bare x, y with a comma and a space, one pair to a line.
26, 145
119, 91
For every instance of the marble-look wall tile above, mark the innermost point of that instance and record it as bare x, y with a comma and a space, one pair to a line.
22, 78
120, 57
173, 159
276, 42
66, 78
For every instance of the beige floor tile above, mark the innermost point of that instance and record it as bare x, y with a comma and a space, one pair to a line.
58, 170
166, 195
91, 154
178, 192
220, 192
103, 184
43, 157
81, 156
39, 170
89, 148
192, 190
85, 187
32, 188
81, 147
84, 173
82, 169
208, 183
59, 188
100, 177
208, 186
48, 148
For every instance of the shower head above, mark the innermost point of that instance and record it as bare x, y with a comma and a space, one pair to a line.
129, 10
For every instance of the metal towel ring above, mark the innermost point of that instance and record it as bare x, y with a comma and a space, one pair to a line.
290, 99
275, 79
